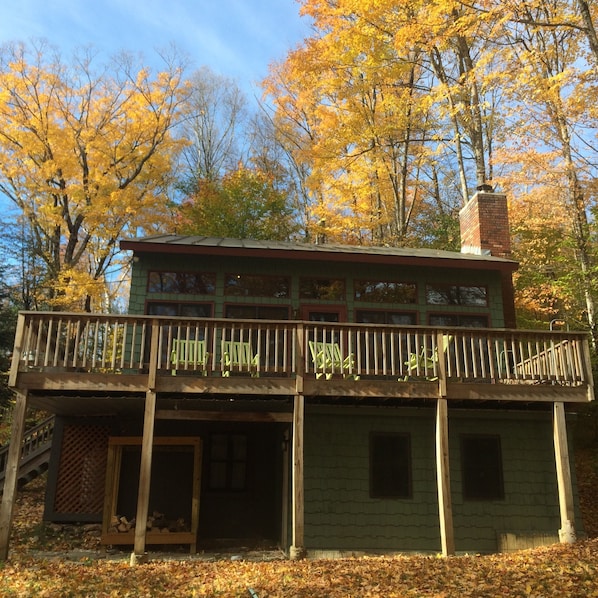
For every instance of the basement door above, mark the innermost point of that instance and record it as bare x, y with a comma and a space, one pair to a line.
242, 485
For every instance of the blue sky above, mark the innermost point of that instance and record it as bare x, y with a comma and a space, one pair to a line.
235, 38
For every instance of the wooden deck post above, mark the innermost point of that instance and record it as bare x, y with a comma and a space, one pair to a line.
145, 470
12, 472
443, 478
298, 548
563, 474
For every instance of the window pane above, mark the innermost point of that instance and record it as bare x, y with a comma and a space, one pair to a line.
385, 317
464, 320
322, 288
482, 468
218, 475
385, 291
249, 285
237, 480
446, 294
390, 466
188, 310
473, 296
256, 312
197, 283
219, 447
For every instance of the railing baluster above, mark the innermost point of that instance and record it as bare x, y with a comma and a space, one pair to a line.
115, 343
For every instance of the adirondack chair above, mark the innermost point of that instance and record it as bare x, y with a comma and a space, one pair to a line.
239, 356
423, 363
190, 354
327, 360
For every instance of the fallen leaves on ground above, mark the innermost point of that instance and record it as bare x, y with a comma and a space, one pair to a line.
563, 571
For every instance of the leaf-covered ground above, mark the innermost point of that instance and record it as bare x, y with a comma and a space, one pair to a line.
38, 567
560, 571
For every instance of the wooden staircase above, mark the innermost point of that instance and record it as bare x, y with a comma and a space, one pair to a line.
35, 453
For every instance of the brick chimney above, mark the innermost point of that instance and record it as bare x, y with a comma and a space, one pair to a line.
484, 223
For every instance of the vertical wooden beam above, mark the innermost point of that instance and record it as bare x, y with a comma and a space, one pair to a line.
145, 470
12, 471
284, 536
443, 479
298, 548
563, 474
441, 352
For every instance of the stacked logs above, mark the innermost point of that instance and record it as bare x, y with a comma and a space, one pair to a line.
156, 523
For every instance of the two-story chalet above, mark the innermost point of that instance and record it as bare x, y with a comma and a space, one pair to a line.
322, 398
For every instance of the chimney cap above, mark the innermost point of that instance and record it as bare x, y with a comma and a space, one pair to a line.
485, 187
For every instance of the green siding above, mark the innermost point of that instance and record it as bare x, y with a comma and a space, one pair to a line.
340, 515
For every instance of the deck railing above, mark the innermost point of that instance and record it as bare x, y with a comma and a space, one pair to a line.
119, 344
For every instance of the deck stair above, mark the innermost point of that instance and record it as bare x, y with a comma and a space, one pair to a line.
35, 453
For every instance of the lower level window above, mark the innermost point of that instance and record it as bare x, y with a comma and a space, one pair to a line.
228, 462
481, 460
390, 465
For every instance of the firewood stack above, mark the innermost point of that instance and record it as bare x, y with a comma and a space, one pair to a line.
156, 523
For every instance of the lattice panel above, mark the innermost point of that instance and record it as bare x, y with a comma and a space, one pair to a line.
82, 470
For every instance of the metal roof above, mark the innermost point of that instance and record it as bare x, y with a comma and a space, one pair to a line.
290, 250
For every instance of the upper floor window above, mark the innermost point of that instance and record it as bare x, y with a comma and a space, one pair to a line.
481, 460
451, 294
193, 283
255, 285
327, 289
399, 318
385, 291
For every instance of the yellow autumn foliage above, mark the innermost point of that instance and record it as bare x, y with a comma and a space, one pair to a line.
86, 156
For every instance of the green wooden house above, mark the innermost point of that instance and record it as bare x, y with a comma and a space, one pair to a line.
323, 399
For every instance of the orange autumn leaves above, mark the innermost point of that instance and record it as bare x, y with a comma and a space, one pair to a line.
559, 571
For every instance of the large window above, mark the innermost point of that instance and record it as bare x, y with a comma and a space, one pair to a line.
451, 294
390, 465
398, 318
251, 285
385, 291
326, 289
227, 462
192, 283
481, 461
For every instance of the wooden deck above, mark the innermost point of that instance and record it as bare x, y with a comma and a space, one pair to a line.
70, 354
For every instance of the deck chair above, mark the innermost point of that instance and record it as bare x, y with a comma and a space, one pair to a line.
423, 362
191, 354
238, 355
327, 359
